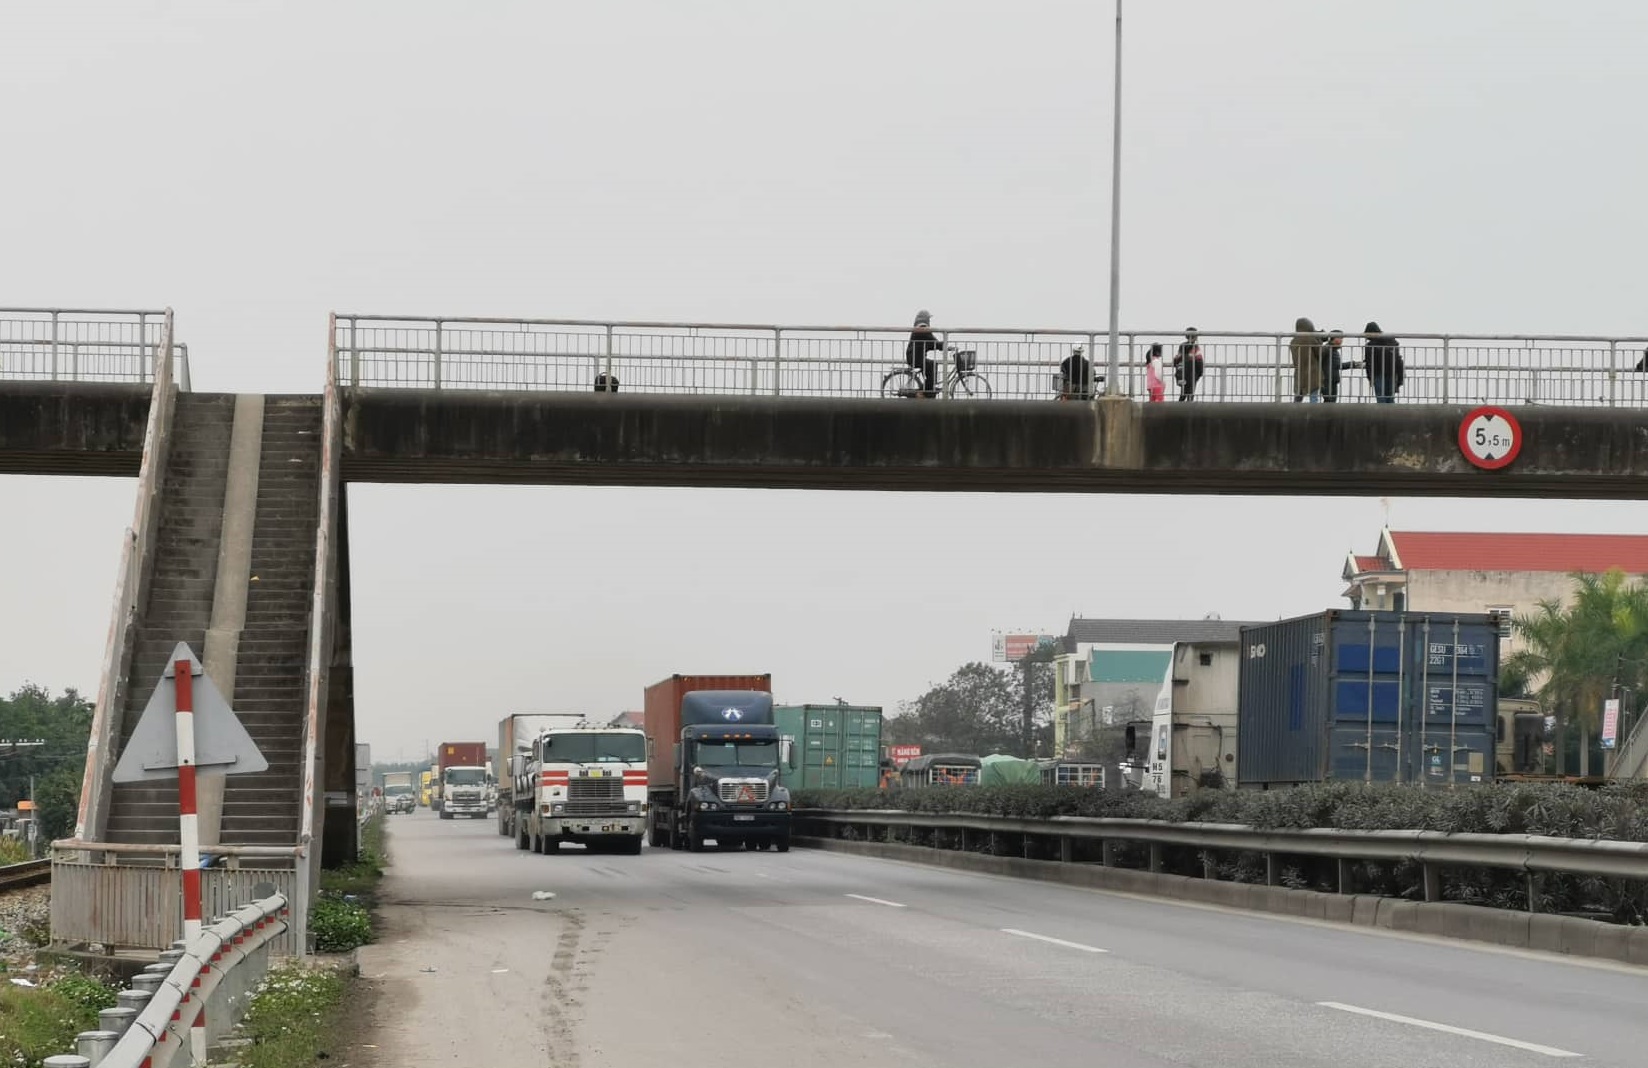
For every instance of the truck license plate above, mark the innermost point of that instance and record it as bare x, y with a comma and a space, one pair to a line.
744, 819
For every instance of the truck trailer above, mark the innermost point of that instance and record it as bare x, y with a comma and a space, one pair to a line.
1362, 696
712, 764
516, 733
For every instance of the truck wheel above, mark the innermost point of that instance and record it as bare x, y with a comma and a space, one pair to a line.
632, 847
552, 846
520, 840
784, 844
655, 836
446, 815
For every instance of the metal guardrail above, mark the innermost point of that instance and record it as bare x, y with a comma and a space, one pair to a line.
196, 992
28, 873
88, 345
1532, 855
854, 361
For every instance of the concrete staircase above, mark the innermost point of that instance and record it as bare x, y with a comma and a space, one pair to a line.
264, 809
179, 606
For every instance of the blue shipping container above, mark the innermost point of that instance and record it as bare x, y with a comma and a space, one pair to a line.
1368, 696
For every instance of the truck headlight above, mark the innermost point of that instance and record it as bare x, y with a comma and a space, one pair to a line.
556, 809
709, 806
781, 805
634, 808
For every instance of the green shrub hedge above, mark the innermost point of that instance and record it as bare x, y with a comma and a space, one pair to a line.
1614, 812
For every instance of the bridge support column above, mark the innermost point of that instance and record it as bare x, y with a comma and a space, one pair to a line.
340, 831
232, 587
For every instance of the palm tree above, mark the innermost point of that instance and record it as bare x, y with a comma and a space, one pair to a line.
1583, 653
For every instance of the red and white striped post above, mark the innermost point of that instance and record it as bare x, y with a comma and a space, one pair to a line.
189, 831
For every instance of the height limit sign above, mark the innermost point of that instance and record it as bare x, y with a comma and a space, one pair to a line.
1490, 437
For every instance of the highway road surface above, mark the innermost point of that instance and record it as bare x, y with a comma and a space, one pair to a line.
812, 959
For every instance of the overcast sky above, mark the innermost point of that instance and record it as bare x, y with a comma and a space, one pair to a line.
1474, 165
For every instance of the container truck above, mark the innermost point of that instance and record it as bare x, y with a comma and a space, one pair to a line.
398, 793
516, 733
463, 779
828, 747
712, 764
1364, 696
585, 784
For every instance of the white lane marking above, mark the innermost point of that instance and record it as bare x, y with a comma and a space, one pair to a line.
1054, 941
877, 901
1501, 1040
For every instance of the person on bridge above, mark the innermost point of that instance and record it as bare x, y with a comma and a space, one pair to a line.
1306, 348
1188, 367
1333, 366
1076, 376
1153, 373
922, 341
1382, 363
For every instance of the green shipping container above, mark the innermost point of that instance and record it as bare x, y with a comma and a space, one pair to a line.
828, 747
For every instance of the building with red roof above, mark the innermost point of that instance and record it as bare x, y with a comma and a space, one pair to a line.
1458, 571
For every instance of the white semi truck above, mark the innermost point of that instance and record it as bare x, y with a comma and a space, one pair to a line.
516, 733
582, 784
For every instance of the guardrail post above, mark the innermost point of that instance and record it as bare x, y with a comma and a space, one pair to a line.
1536, 890
116, 1020
437, 368
1347, 876
1067, 850
95, 1045
1108, 849
1156, 857
995, 844
964, 839
1273, 871
1024, 845
1433, 882
1210, 866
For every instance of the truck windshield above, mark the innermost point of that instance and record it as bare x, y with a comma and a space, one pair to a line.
396, 789
466, 776
738, 754
595, 748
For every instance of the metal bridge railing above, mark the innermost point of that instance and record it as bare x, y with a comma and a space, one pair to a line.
851, 361
81, 345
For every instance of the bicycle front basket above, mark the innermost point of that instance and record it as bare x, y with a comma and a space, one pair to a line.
966, 361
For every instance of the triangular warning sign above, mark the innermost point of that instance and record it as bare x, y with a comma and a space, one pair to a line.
222, 745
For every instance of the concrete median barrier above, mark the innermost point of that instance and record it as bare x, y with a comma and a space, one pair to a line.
1568, 935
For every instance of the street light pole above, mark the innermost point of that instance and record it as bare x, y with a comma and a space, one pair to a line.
1115, 361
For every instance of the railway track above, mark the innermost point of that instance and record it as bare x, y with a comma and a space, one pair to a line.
28, 873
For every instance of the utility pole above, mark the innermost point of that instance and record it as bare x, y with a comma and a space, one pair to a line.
1113, 383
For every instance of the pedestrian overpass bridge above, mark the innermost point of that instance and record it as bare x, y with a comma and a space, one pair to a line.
239, 542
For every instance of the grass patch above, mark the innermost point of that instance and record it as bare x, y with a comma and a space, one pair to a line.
290, 1017
341, 917
40, 1022
13, 852
360, 879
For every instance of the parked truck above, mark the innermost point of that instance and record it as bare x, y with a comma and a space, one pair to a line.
712, 764
516, 733
398, 792
464, 777
583, 784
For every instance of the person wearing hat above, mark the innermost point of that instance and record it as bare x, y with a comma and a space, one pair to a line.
1187, 365
923, 341
1076, 376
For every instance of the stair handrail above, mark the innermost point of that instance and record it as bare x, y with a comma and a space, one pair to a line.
136, 559
1633, 752
318, 669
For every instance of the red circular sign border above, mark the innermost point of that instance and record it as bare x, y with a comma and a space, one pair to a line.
1516, 437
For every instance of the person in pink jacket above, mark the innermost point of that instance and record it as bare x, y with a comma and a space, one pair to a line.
1153, 374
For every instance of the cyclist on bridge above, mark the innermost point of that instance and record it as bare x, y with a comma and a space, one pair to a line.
923, 341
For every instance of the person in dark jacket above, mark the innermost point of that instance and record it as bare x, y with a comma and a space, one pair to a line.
922, 341
1188, 366
1382, 363
1076, 376
1333, 366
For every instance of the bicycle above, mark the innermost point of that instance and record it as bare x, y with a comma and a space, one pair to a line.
909, 381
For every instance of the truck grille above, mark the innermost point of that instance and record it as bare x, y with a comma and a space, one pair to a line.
594, 797
742, 791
